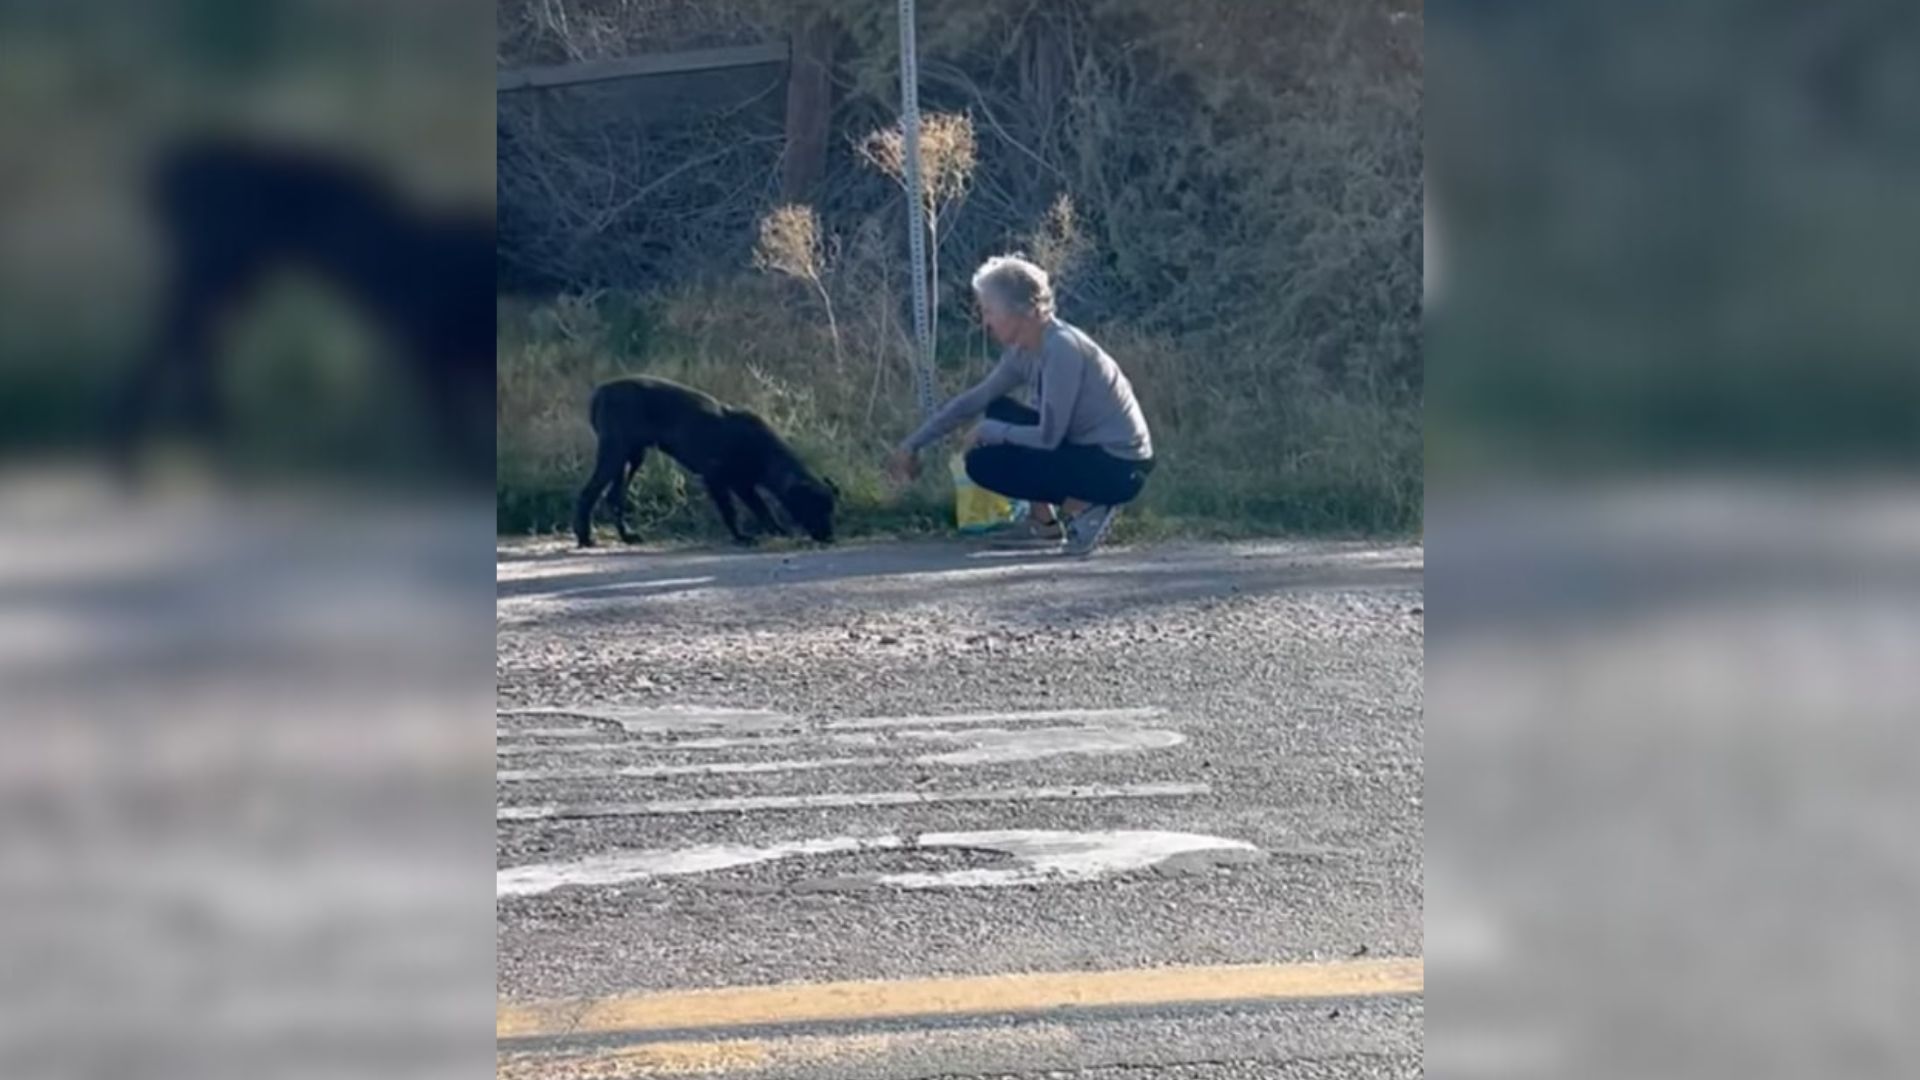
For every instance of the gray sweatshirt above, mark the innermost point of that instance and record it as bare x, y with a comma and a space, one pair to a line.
1080, 393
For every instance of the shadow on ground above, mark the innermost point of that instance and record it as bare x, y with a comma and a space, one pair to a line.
539, 583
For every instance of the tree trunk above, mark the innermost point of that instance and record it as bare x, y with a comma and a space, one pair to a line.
809, 108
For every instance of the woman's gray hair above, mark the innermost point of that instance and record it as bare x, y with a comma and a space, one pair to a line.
1014, 285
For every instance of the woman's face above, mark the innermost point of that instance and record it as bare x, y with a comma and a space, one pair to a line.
1004, 325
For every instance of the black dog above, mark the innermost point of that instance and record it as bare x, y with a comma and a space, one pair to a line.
234, 211
733, 452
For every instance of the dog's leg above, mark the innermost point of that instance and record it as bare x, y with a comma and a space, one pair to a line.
758, 507
721, 493
621, 488
606, 472
180, 357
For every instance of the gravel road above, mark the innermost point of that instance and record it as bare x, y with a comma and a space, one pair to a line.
901, 761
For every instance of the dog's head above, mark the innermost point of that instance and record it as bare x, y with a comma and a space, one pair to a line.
811, 503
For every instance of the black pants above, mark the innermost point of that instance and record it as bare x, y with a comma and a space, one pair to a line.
1068, 471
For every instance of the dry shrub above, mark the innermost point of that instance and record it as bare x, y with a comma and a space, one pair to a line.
790, 244
1058, 243
948, 155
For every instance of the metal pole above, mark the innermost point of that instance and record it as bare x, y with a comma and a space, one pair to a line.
923, 380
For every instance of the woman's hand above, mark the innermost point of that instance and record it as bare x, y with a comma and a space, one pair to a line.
903, 467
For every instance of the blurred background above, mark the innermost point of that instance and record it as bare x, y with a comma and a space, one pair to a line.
99, 94
245, 674
1672, 548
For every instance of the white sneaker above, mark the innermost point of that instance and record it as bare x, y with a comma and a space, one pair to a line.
1088, 528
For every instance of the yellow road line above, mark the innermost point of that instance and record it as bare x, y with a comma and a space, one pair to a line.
743, 1007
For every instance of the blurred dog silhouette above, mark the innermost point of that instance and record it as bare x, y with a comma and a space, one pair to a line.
234, 212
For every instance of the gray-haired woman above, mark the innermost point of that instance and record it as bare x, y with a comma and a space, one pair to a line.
1082, 445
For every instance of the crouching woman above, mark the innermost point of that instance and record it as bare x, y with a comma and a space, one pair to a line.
1081, 444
